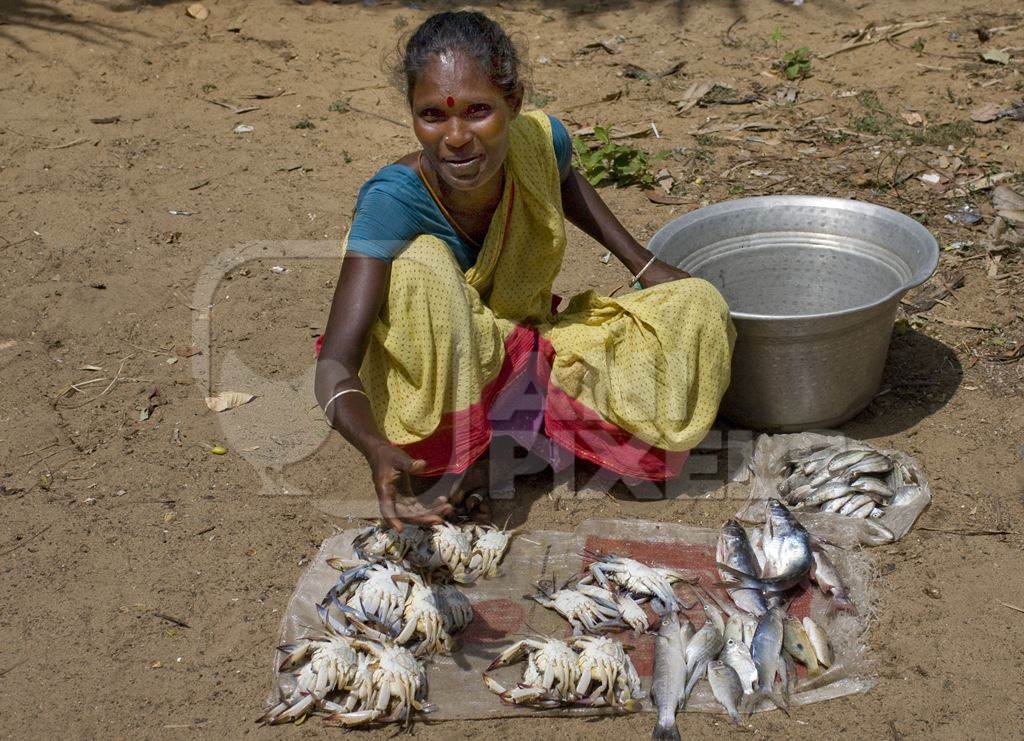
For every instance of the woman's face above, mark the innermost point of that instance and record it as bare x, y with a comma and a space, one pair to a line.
461, 120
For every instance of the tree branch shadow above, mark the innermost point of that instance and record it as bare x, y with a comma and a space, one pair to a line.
48, 17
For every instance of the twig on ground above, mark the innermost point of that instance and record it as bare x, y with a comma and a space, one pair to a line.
49, 455
891, 32
15, 665
965, 532
26, 541
206, 530
69, 144
115, 379
1013, 607
381, 116
171, 619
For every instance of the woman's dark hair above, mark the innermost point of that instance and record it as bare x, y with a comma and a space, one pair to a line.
472, 34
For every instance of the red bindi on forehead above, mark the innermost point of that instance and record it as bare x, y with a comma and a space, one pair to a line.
450, 101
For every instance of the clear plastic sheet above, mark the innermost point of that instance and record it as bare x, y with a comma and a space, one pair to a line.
502, 613
896, 522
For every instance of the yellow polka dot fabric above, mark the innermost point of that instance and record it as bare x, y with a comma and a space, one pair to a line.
655, 362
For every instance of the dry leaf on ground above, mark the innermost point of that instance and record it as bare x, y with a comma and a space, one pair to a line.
197, 11
228, 400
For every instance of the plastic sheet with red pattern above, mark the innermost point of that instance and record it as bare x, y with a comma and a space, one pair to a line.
503, 614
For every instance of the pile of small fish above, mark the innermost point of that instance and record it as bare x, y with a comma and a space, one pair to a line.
743, 654
586, 671
397, 604
856, 481
614, 602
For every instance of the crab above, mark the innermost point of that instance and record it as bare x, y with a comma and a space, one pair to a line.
397, 685
424, 615
450, 547
638, 580
455, 607
488, 549
331, 665
551, 674
604, 662
584, 611
628, 609
385, 542
375, 592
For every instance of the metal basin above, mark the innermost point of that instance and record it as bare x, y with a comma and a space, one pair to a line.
813, 284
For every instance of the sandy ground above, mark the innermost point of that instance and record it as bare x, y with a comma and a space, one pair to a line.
108, 516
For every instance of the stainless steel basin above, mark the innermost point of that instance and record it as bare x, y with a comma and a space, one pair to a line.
813, 284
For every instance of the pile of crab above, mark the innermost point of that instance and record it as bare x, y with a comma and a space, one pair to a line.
589, 670
394, 607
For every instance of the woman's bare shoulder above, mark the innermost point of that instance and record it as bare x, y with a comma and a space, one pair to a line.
409, 160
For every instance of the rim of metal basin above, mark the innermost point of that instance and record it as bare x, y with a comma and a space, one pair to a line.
917, 231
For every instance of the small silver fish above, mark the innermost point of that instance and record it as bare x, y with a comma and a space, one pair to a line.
669, 681
819, 641
864, 511
737, 655
876, 463
725, 685
704, 647
766, 652
827, 492
871, 485
825, 575
841, 462
834, 505
856, 502
905, 495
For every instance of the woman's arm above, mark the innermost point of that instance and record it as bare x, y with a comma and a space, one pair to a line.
358, 297
584, 208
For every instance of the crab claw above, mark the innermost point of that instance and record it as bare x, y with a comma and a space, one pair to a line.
294, 654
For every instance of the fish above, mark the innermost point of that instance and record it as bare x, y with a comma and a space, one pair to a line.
669, 682
725, 686
796, 641
905, 495
734, 550
856, 502
827, 492
843, 461
834, 505
737, 655
825, 575
766, 651
819, 642
871, 485
864, 511
877, 463
787, 551
704, 647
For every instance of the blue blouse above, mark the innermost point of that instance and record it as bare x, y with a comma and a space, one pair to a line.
394, 208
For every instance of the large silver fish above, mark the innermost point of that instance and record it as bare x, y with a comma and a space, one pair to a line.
766, 651
669, 682
734, 550
787, 552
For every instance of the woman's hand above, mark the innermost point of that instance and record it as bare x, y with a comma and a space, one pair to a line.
661, 272
391, 467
